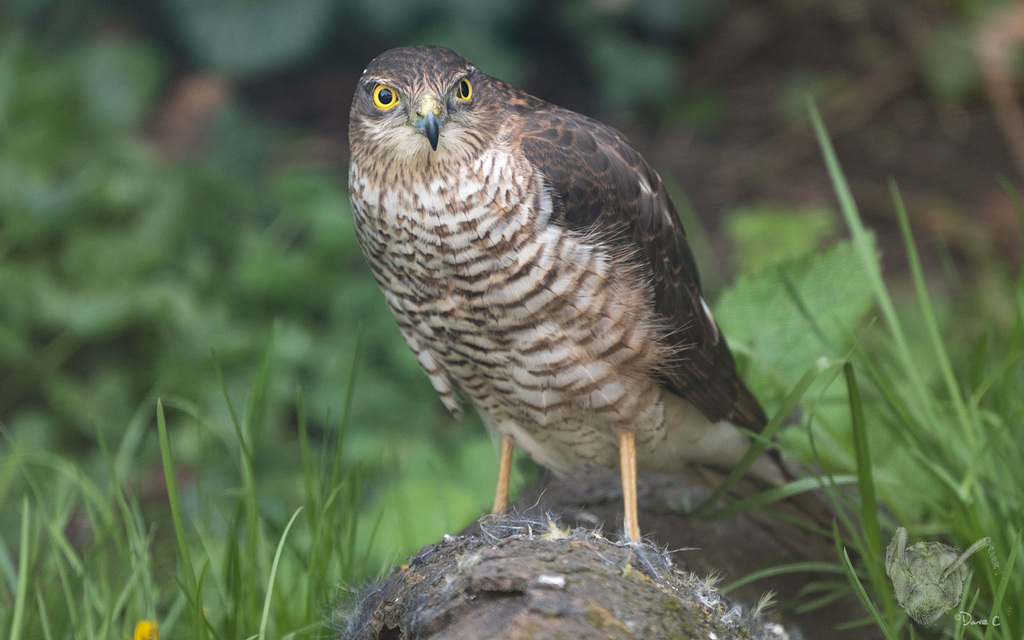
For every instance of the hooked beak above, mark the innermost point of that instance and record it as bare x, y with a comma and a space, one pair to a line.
427, 119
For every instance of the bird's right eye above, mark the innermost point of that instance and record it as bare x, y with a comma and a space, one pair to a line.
384, 98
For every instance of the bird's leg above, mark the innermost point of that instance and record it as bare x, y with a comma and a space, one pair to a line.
627, 466
504, 471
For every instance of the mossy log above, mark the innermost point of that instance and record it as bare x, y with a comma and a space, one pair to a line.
520, 581
519, 577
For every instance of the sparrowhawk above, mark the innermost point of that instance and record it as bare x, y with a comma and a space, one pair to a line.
537, 267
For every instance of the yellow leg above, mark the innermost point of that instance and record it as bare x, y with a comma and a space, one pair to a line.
504, 471
627, 465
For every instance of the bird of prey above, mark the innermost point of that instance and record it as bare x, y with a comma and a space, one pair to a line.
538, 269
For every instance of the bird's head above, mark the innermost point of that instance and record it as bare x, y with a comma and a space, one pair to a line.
417, 102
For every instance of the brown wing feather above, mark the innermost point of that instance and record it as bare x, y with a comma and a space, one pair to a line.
597, 176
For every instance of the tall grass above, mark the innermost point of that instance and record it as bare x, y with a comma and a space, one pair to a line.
90, 562
951, 404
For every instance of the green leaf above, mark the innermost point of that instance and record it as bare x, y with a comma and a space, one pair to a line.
786, 317
766, 235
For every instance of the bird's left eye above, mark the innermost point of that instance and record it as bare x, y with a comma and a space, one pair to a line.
464, 91
384, 98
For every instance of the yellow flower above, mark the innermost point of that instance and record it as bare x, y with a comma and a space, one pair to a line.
146, 630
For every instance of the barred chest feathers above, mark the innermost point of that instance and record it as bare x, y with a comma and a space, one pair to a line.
534, 324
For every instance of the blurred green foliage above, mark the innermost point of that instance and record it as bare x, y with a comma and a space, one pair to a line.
624, 55
124, 277
243, 38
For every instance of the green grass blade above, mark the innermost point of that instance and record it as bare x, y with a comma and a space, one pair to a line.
201, 624
44, 615
967, 607
931, 325
256, 403
24, 553
775, 494
309, 472
870, 526
805, 311
273, 574
788, 404
236, 423
830, 591
865, 477
864, 247
771, 572
997, 600
187, 570
253, 424
337, 465
865, 600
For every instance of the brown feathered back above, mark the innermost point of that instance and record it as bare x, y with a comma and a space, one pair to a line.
594, 172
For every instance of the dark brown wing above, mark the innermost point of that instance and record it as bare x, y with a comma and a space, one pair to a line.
604, 185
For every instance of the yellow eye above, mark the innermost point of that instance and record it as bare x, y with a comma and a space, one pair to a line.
384, 98
464, 91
